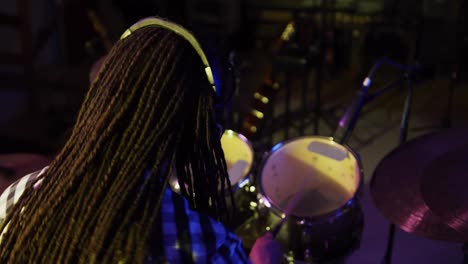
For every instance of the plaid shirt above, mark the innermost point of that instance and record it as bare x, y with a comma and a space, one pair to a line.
193, 238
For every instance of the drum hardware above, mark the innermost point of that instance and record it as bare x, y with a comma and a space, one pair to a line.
454, 79
403, 137
465, 253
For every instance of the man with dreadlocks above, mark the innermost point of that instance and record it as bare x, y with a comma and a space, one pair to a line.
105, 198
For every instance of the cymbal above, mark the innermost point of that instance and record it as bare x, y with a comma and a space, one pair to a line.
421, 186
449, 181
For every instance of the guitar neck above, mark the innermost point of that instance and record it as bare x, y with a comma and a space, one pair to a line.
263, 96
100, 29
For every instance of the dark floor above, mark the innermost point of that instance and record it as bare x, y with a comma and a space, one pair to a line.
376, 134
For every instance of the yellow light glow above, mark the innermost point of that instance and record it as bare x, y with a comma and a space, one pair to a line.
288, 31
258, 114
262, 98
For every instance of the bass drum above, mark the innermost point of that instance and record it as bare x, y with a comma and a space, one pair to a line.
326, 221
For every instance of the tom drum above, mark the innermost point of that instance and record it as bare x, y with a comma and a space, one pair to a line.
326, 222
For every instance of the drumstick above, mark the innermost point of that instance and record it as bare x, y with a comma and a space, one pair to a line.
292, 204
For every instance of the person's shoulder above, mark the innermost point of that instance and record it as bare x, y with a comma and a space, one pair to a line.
13, 193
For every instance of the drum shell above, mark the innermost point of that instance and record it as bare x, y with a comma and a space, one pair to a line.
318, 240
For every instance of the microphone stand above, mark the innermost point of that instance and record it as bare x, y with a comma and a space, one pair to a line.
386, 88
349, 119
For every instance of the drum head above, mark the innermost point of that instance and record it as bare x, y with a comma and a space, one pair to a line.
239, 155
327, 173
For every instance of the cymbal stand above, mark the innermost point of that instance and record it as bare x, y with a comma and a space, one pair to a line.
447, 120
403, 138
406, 111
465, 253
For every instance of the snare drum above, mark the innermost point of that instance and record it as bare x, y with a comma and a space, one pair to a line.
327, 221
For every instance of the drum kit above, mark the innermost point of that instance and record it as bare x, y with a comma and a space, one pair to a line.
419, 187
306, 190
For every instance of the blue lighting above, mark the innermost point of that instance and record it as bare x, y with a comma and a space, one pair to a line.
276, 147
216, 83
244, 182
338, 213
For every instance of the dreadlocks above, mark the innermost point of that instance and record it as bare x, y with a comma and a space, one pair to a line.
149, 108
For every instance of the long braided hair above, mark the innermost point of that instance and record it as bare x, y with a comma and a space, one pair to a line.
149, 108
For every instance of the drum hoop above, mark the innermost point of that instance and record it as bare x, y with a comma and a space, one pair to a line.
332, 214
